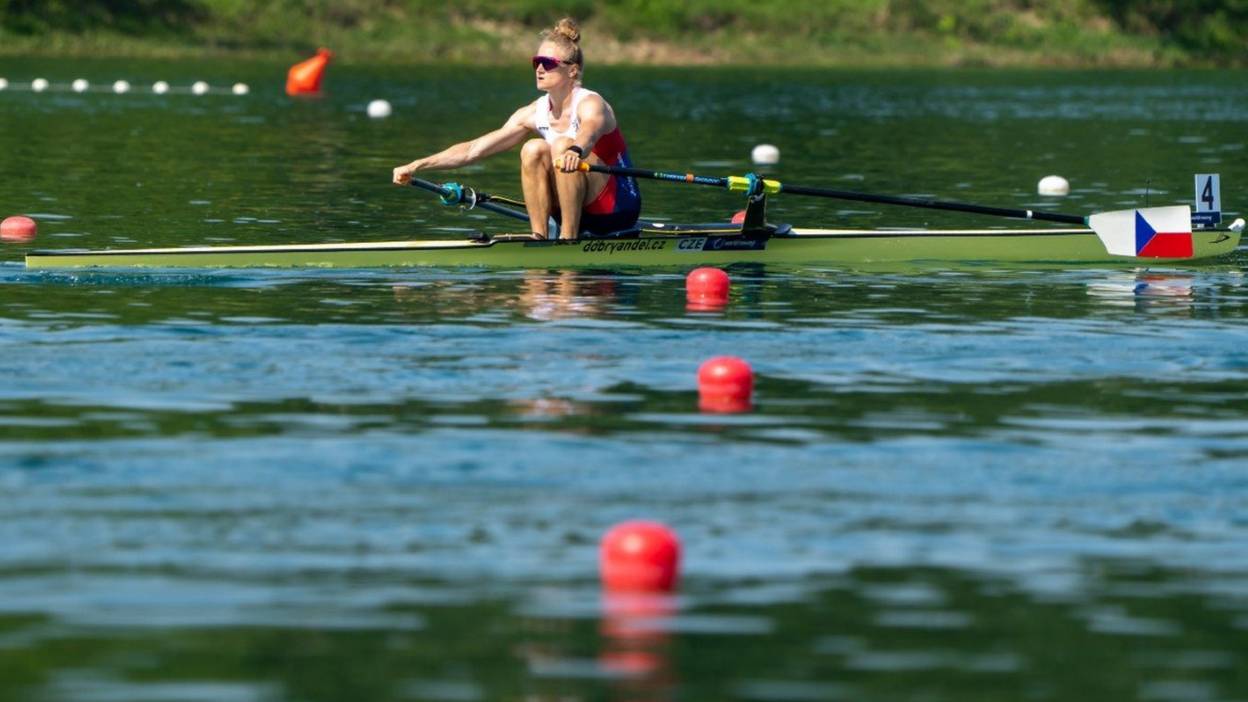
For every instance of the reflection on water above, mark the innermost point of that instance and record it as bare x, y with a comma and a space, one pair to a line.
1146, 291
541, 296
967, 483
857, 636
636, 645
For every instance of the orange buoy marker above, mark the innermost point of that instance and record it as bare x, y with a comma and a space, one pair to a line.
725, 385
18, 230
304, 77
738, 217
639, 556
708, 286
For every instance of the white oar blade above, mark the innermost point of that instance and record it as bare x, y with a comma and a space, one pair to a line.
1152, 232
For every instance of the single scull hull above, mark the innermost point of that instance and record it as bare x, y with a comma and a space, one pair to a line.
657, 246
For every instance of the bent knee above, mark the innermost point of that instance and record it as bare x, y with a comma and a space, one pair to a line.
535, 151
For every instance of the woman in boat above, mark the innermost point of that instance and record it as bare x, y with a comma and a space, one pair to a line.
572, 125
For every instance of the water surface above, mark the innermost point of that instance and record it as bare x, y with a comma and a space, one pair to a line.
968, 483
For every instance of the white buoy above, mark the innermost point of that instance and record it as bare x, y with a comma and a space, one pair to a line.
4, 83
80, 85
765, 155
160, 87
241, 89
199, 87
121, 86
39, 85
379, 109
1238, 225
1053, 185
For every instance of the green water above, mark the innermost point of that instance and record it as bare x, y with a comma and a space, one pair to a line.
981, 483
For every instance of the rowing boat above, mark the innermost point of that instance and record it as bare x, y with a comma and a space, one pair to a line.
752, 241
655, 245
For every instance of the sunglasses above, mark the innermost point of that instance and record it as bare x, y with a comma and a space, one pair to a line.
548, 63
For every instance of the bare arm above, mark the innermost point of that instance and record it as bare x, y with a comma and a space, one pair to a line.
464, 153
596, 119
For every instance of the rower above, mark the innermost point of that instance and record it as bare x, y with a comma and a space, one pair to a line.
572, 124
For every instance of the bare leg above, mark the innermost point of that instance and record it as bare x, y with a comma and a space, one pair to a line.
571, 192
536, 166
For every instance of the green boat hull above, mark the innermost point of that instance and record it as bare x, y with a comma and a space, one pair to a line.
656, 247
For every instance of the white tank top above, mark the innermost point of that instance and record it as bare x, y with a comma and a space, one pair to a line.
542, 116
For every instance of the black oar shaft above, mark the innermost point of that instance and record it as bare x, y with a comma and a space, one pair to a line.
932, 204
773, 186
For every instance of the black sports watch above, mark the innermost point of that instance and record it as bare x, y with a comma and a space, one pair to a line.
579, 151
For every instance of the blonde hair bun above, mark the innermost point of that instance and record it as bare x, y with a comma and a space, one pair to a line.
567, 34
566, 28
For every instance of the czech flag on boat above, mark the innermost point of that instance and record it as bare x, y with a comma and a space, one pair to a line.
1154, 232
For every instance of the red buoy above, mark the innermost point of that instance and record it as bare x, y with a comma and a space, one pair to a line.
707, 286
18, 230
304, 78
639, 556
725, 384
738, 217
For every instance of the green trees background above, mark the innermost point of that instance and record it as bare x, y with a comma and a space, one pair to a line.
1168, 32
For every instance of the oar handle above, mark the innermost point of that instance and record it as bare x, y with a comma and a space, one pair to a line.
430, 186
453, 194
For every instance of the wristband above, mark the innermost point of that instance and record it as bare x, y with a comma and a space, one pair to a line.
577, 150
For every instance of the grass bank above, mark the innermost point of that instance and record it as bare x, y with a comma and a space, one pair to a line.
857, 33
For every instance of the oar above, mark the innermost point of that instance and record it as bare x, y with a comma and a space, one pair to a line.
773, 187
1158, 232
456, 194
